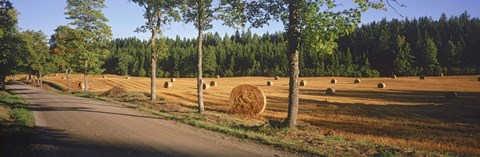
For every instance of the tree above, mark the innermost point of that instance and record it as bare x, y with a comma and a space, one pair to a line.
37, 53
8, 39
66, 44
158, 13
88, 17
403, 59
201, 13
306, 21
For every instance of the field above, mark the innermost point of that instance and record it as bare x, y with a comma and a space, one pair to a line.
409, 112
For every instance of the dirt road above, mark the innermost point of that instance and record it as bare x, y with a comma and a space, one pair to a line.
71, 126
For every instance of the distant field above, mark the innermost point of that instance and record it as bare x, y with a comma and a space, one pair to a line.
408, 112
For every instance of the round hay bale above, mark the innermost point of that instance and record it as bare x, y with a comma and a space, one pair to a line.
333, 81
330, 91
393, 76
303, 83
269, 83
63, 78
451, 95
276, 77
104, 76
247, 99
168, 84
128, 77
357, 81
218, 76
205, 86
55, 74
381, 85
423, 77
81, 85
172, 79
213, 83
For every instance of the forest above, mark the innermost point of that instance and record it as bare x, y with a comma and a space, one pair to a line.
407, 47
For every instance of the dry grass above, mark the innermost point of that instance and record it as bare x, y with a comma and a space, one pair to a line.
409, 112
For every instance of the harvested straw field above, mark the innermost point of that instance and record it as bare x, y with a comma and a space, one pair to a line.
409, 112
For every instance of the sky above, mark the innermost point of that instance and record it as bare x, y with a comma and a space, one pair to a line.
124, 16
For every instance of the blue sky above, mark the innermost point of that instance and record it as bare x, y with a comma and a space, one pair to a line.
124, 16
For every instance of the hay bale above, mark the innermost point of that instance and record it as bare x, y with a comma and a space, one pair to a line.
55, 74
205, 86
213, 83
114, 92
423, 77
276, 77
81, 85
104, 76
63, 78
168, 84
218, 76
333, 81
451, 95
128, 78
172, 79
381, 85
303, 83
247, 99
393, 76
330, 91
269, 83
357, 81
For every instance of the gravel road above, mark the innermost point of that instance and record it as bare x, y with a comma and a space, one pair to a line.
68, 126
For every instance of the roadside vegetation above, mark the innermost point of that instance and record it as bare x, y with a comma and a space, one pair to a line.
15, 124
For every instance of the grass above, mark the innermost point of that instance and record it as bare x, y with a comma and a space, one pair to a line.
54, 85
16, 122
13, 108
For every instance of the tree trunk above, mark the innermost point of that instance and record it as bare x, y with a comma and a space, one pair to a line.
153, 76
199, 48
293, 35
67, 74
85, 77
2, 82
40, 78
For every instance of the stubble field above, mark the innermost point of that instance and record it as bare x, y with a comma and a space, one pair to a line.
409, 112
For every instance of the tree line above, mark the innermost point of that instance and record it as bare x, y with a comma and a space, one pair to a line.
406, 47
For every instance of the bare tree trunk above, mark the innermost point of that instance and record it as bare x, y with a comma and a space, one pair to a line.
200, 71
293, 35
85, 77
67, 74
2, 81
153, 76
40, 78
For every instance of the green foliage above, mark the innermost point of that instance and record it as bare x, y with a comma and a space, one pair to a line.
9, 51
93, 33
403, 60
37, 53
446, 45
